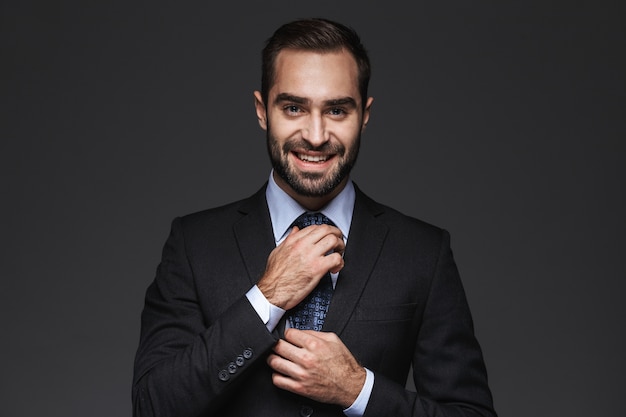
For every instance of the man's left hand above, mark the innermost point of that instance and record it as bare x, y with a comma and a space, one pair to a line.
317, 365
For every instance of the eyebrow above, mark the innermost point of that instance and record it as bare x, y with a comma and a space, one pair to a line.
282, 97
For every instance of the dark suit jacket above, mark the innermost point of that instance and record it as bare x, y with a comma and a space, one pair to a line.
398, 301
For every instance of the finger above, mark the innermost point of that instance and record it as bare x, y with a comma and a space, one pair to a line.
323, 236
334, 262
283, 366
332, 242
327, 336
317, 232
319, 242
299, 339
285, 349
310, 339
297, 234
304, 238
334, 230
287, 383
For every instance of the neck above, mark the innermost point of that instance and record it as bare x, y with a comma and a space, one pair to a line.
308, 202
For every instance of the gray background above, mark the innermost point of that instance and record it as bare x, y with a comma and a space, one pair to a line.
501, 121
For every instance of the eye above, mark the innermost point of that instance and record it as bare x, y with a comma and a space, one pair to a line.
292, 109
337, 111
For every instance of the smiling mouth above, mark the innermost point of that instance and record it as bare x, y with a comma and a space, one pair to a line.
312, 158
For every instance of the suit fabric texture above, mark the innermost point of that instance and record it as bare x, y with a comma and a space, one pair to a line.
399, 301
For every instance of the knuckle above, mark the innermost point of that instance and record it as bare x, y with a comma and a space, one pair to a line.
308, 360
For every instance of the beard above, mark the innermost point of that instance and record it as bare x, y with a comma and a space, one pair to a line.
312, 184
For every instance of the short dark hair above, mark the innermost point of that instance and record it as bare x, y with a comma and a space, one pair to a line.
316, 34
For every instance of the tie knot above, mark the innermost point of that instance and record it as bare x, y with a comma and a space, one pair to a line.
307, 219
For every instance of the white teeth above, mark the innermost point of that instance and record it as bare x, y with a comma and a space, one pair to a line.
309, 158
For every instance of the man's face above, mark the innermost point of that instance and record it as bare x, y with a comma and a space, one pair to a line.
313, 120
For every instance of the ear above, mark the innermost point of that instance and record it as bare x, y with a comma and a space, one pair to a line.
366, 112
261, 110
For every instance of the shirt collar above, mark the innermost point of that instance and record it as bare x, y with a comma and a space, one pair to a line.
284, 209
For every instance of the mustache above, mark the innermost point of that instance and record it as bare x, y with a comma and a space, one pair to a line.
326, 147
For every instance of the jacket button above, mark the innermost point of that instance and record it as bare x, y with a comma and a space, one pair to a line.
240, 360
223, 375
232, 368
306, 411
247, 353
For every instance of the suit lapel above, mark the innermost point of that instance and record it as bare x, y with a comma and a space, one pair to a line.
367, 235
254, 235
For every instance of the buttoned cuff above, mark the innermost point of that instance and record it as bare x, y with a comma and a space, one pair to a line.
268, 312
357, 409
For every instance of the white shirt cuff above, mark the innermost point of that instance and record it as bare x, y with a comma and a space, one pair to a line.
268, 312
357, 409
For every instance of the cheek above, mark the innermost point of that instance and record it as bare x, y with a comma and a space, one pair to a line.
281, 130
347, 134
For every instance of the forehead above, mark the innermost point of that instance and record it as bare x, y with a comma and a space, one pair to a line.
313, 74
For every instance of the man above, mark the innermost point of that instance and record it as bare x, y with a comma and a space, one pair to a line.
221, 333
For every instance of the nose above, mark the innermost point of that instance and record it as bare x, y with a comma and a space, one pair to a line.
315, 131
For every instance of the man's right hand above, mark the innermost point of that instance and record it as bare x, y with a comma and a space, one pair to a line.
296, 265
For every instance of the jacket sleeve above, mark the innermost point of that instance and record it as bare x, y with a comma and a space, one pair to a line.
185, 365
448, 368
